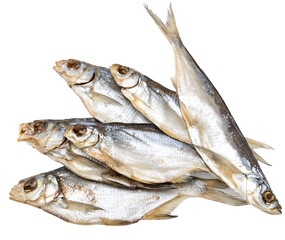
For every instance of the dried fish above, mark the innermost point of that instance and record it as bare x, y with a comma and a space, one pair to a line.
77, 200
98, 91
159, 104
46, 136
138, 151
212, 128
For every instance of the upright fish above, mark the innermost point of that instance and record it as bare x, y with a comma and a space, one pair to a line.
212, 128
98, 92
160, 105
46, 136
77, 200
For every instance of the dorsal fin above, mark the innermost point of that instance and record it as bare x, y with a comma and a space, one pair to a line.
256, 144
259, 158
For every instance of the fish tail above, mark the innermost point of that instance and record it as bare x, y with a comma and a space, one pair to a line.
169, 29
218, 191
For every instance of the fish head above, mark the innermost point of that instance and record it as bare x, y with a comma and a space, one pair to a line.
82, 136
260, 195
75, 72
37, 190
125, 77
44, 135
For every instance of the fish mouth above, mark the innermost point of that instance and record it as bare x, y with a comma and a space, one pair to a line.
25, 131
15, 194
57, 66
274, 211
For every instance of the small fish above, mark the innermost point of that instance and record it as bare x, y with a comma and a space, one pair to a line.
139, 151
77, 200
212, 128
46, 136
98, 91
159, 104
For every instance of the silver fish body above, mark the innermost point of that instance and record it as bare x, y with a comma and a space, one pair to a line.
46, 136
138, 151
212, 128
160, 105
77, 200
98, 91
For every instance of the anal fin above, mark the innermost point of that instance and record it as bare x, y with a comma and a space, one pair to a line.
164, 210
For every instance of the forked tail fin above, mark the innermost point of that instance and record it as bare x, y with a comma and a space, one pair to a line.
169, 29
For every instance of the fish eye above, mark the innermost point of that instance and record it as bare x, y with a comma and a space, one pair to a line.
79, 130
30, 185
268, 197
123, 70
73, 64
40, 126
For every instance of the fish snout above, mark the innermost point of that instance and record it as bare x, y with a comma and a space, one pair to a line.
15, 193
276, 210
24, 133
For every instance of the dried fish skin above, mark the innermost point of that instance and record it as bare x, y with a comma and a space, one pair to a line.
212, 128
99, 93
72, 157
138, 151
159, 104
77, 200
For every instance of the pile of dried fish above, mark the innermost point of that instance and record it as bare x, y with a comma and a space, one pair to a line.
146, 149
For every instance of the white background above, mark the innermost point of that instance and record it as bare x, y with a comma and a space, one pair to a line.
240, 46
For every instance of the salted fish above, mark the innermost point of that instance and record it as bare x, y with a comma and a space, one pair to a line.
98, 91
77, 200
46, 136
212, 128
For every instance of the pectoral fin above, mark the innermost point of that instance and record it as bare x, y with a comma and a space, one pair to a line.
163, 211
217, 190
137, 103
222, 197
256, 144
98, 97
77, 206
219, 161
225, 167
72, 211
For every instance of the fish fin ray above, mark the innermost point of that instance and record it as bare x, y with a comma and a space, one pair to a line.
69, 211
111, 101
78, 206
256, 144
220, 161
219, 191
136, 102
163, 211
222, 197
186, 117
115, 222
215, 183
174, 83
169, 29
259, 158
